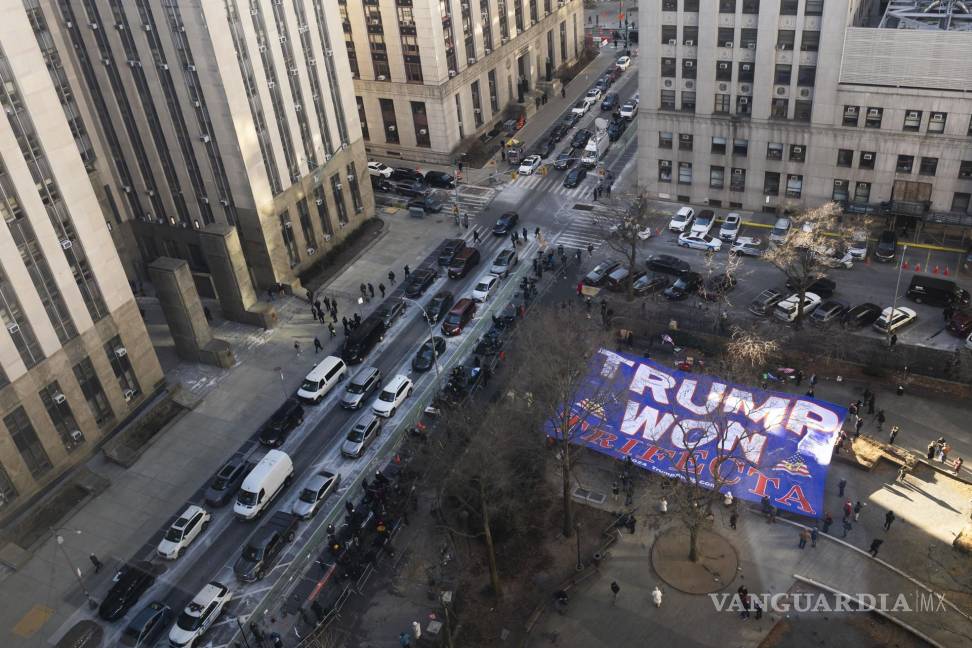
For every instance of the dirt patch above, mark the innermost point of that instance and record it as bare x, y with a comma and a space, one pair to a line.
335, 259
567, 73
129, 444
37, 524
714, 571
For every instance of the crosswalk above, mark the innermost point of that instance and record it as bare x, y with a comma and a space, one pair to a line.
553, 183
586, 225
472, 198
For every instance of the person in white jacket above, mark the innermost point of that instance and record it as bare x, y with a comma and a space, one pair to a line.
656, 596
663, 507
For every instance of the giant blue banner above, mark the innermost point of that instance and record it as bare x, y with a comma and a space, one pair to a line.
751, 442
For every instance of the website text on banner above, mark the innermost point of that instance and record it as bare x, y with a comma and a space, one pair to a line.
751, 442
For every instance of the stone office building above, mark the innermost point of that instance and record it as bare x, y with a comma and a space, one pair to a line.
768, 105
430, 73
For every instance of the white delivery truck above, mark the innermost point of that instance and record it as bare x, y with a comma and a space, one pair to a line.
263, 484
597, 147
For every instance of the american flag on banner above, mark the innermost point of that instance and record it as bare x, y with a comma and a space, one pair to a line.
795, 465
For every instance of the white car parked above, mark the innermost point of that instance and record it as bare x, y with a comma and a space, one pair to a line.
392, 396
730, 227
581, 107
858, 246
703, 222
593, 96
887, 323
700, 242
183, 531
315, 491
484, 288
780, 230
747, 246
787, 310
379, 169
682, 219
530, 164
623, 63
199, 615
629, 109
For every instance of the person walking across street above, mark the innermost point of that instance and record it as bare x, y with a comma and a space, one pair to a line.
525, 235
841, 485
317, 346
475, 237
590, 249
656, 597
888, 520
97, 563
615, 588
405, 640
804, 536
330, 329
297, 348
391, 277
902, 473
875, 545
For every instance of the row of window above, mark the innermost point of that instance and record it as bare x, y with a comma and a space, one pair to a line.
780, 108
726, 37
737, 179
787, 7
873, 118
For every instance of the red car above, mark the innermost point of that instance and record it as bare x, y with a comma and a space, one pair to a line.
960, 324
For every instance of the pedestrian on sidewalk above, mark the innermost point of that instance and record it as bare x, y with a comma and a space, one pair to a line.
317, 346
857, 510
408, 271
758, 609
902, 473
330, 329
357, 319
870, 403
536, 233
615, 588
97, 563
381, 289
931, 450
880, 420
848, 509
663, 505
525, 235
958, 465
405, 640
828, 520
327, 303
615, 490
297, 347
364, 291
744, 613
391, 277
858, 424
371, 289
810, 392
563, 92
894, 433
846, 526
814, 533
875, 545
945, 450
656, 597
813, 380
841, 485
888, 520
804, 536
733, 517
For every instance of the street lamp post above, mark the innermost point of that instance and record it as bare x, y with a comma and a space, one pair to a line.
897, 287
435, 354
283, 389
59, 539
580, 564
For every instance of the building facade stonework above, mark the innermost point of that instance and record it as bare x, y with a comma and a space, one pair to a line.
786, 104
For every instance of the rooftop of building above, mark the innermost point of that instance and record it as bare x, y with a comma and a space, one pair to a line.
930, 15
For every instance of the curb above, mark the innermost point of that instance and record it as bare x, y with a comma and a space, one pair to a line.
869, 608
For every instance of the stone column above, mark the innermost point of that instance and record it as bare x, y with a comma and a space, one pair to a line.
227, 266
184, 314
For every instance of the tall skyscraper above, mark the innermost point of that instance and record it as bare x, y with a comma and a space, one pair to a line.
430, 73
75, 358
200, 114
777, 104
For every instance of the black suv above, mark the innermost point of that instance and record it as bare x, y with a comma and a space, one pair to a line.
440, 180
404, 174
886, 246
288, 416
448, 251
668, 264
131, 583
439, 306
419, 282
598, 275
227, 481
565, 159
505, 223
580, 138
823, 287
685, 285
558, 132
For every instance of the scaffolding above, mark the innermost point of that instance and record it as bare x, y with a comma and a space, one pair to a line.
941, 15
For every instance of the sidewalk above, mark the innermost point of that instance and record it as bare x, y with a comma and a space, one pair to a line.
36, 600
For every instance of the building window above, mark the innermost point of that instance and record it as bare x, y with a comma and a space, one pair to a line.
840, 191
794, 186
724, 71
387, 107
806, 75
493, 92
665, 140
421, 121
771, 183
59, 411
722, 104
477, 104
727, 35
117, 356
873, 118
684, 173
782, 75
669, 5
745, 73
738, 180
743, 105
306, 226
8, 491
691, 6
788, 7
779, 108
740, 147
719, 145
716, 177
727, 6
969, 131
798, 153
904, 164
669, 34
355, 188
338, 190
785, 39
668, 68
810, 41
688, 68
690, 35
684, 142
936, 122
688, 101
813, 8
965, 169
664, 170
928, 166
563, 39
17, 325
802, 110
912, 121
320, 200
960, 202
747, 38
862, 192
290, 241
362, 117
845, 157
459, 115
30, 447
750, 6
774, 151
851, 115
667, 100
868, 158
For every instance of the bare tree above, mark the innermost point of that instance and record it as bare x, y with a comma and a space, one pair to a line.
808, 251
631, 222
554, 351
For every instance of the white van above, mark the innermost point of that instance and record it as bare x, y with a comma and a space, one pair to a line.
325, 374
264, 483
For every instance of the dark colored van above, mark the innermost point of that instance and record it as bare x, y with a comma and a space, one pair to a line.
288, 416
145, 629
459, 316
466, 260
886, 247
363, 339
450, 248
936, 291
